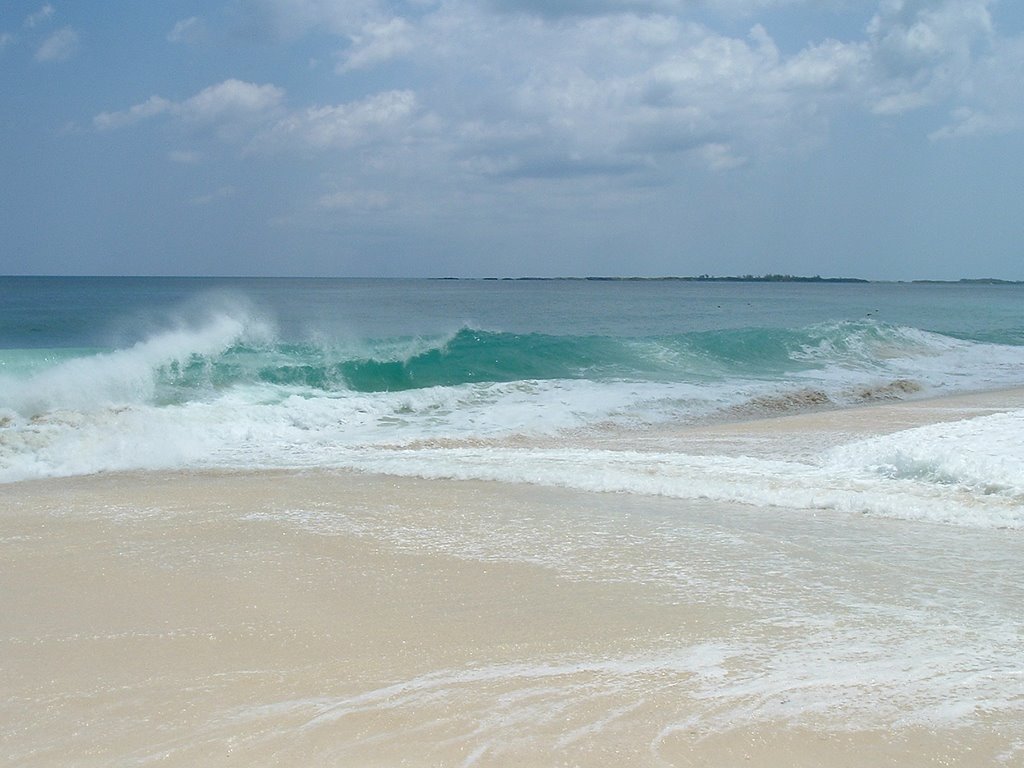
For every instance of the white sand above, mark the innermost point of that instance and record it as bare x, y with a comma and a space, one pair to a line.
279, 618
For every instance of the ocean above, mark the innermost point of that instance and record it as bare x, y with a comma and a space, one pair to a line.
575, 383
488, 523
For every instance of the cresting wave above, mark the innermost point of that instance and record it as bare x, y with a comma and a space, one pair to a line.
186, 364
141, 374
229, 393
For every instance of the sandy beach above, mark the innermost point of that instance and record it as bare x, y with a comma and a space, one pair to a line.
337, 618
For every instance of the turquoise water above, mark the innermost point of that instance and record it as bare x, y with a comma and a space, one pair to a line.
406, 376
380, 335
89, 312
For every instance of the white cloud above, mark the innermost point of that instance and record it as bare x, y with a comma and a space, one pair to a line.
231, 100
968, 122
828, 66
42, 16
903, 100
601, 87
613, 92
923, 51
228, 104
732, 8
154, 105
254, 116
344, 125
947, 53
992, 98
719, 157
60, 46
190, 31
6, 38
605, 83
532, 89
910, 33
377, 43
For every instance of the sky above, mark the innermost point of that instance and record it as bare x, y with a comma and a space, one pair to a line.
881, 139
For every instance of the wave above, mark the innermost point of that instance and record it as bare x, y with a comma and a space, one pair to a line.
137, 374
196, 362
471, 356
227, 391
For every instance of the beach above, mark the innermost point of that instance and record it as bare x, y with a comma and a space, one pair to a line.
512, 384
334, 617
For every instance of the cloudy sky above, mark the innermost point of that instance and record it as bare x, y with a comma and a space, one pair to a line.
873, 138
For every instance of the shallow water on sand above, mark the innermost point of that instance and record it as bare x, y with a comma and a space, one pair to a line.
272, 618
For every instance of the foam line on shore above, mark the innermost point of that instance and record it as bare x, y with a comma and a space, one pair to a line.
333, 616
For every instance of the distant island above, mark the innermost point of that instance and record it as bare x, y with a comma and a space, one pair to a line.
975, 281
768, 278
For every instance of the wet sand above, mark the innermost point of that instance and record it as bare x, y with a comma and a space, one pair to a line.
331, 618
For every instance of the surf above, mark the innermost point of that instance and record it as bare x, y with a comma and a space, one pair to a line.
223, 384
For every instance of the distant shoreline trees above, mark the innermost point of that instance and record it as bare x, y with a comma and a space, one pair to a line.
768, 278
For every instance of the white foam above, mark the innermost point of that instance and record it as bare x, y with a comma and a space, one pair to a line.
966, 473
831, 680
273, 426
742, 479
126, 376
983, 455
100, 413
934, 361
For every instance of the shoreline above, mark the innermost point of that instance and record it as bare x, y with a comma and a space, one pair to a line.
882, 416
847, 422
210, 618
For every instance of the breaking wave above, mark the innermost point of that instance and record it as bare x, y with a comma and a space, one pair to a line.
229, 392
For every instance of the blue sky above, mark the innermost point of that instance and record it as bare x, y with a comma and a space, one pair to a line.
873, 138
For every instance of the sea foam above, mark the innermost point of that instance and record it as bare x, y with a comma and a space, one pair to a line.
223, 390
833, 484
121, 377
983, 455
